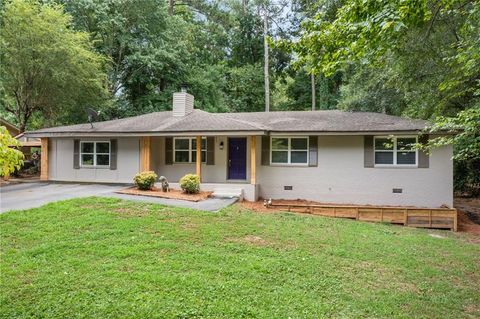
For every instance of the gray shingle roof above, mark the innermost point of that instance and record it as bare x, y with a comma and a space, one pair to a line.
330, 121
327, 121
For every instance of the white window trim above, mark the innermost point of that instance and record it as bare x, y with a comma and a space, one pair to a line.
190, 149
395, 151
289, 151
95, 154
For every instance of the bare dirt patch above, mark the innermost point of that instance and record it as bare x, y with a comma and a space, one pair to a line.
255, 240
465, 224
172, 194
471, 309
468, 215
256, 206
470, 206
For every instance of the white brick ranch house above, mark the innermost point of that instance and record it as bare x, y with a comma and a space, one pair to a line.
327, 156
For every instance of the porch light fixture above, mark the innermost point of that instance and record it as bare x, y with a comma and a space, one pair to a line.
221, 145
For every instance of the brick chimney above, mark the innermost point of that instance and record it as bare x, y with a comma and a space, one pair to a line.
182, 102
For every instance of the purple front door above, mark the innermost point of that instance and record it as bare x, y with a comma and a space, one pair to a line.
237, 158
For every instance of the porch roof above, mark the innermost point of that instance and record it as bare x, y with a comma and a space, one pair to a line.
254, 123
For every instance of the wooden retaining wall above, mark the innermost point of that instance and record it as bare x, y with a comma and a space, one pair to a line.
444, 218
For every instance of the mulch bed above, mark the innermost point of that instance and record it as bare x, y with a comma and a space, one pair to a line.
172, 194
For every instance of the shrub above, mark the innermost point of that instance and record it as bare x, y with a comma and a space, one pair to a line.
145, 180
190, 183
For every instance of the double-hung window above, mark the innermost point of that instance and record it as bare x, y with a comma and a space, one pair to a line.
289, 150
398, 151
95, 154
185, 150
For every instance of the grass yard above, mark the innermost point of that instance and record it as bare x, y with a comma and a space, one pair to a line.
107, 258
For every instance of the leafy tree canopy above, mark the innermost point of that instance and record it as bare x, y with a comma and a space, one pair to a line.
48, 69
416, 58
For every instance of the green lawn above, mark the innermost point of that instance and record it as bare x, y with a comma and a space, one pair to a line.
107, 258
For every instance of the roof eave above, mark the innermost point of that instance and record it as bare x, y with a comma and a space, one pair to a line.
138, 134
369, 132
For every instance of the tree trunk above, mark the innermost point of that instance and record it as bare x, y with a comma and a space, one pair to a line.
20, 112
23, 119
21, 128
314, 98
171, 4
266, 63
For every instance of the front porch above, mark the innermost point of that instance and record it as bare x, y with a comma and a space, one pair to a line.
227, 190
226, 165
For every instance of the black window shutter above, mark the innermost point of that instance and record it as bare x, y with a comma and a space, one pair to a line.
266, 150
113, 154
368, 156
168, 150
210, 150
423, 157
76, 154
313, 151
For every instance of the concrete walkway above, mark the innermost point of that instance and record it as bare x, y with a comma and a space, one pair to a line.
211, 204
30, 195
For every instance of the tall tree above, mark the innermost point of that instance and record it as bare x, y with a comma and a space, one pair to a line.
314, 90
47, 67
437, 76
266, 59
244, 90
246, 38
323, 91
153, 52
418, 58
270, 11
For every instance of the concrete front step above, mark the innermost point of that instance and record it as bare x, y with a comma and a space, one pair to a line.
228, 193
219, 190
226, 190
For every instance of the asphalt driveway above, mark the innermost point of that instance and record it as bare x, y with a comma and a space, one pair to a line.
29, 195
36, 194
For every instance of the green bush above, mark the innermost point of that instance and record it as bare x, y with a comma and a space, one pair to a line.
145, 180
190, 183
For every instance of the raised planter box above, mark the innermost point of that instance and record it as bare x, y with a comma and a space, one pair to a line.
444, 218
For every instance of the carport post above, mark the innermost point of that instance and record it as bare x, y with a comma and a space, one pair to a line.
44, 159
